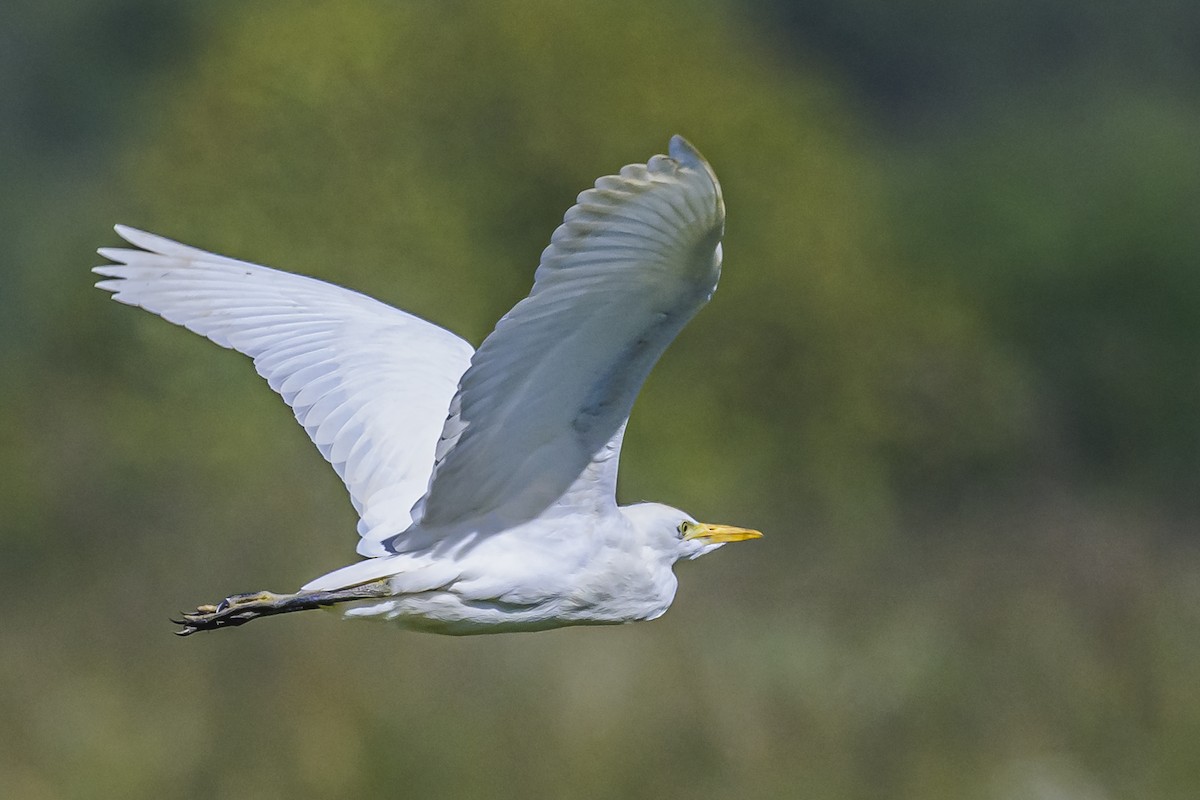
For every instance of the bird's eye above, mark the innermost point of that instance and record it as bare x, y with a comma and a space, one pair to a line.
683, 527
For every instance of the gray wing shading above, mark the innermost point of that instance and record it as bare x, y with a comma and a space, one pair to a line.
539, 416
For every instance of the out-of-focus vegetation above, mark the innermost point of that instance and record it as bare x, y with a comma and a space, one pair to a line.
952, 370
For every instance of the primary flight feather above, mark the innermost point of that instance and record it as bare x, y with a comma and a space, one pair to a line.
485, 480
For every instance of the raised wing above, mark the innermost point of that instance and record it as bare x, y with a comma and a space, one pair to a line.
369, 383
539, 416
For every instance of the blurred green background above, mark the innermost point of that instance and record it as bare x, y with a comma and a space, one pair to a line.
953, 371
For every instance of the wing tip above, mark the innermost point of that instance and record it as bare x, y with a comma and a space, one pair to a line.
133, 236
113, 273
684, 152
686, 155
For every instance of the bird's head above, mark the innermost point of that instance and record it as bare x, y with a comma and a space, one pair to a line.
678, 535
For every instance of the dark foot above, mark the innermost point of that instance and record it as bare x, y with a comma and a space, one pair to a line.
238, 609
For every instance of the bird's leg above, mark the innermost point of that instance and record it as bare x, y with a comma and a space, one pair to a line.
238, 609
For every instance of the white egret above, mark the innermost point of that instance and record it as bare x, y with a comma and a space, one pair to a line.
485, 481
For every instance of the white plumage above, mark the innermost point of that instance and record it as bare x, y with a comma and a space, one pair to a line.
485, 481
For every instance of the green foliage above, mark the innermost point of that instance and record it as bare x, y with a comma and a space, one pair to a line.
1072, 227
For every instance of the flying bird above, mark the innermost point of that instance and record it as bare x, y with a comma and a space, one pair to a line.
485, 480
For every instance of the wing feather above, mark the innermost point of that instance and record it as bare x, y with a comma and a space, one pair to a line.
539, 415
369, 383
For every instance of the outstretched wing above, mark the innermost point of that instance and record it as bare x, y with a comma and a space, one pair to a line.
539, 415
369, 383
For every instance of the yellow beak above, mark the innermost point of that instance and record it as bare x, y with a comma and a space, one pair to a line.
719, 534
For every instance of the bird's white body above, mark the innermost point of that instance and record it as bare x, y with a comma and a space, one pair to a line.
485, 480
601, 573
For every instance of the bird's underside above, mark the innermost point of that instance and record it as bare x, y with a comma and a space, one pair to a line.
425, 612
447, 451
